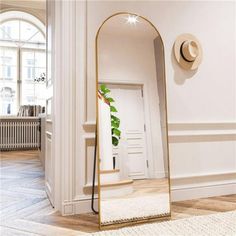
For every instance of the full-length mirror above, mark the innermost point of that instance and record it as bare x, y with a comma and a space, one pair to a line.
132, 121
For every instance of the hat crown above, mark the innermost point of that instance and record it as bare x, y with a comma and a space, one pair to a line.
190, 50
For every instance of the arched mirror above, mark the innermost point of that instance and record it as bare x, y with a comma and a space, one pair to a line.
133, 166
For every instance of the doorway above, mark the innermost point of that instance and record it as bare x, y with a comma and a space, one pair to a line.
24, 94
131, 153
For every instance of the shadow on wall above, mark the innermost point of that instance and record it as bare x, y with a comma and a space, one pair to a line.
180, 75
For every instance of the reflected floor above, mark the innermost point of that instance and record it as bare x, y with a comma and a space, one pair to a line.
149, 198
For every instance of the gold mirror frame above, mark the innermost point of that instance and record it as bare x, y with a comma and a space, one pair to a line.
146, 219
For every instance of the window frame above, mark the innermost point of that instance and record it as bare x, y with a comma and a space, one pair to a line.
21, 50
34, 21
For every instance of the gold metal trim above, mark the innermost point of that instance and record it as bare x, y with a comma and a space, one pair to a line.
138, 220
160, 217
101, 97
109, 171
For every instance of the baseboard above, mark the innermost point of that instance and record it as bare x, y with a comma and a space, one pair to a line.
195, 192
79, 205
203, 185
84, 206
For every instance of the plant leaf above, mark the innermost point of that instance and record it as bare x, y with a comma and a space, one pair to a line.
114, 124
113, 109
110, 99
115, 118
104, 89
107, 91
115, 141
117, 132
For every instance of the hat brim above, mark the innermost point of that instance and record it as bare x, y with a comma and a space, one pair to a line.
182, 62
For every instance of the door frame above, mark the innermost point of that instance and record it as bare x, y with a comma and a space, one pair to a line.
150, 170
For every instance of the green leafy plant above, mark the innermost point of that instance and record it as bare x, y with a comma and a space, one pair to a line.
115, 121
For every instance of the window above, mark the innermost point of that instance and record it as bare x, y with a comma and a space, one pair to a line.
22, 61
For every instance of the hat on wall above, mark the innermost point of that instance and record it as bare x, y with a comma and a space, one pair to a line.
188, 51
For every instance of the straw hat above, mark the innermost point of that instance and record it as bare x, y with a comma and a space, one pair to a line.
188, 51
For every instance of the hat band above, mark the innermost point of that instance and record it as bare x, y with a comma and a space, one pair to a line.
181, 53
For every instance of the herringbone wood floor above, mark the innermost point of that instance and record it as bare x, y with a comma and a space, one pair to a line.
25, 209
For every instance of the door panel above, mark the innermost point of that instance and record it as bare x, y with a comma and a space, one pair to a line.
49, 161
129, 103
49, 167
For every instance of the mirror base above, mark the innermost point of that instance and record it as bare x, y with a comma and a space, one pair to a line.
133, 222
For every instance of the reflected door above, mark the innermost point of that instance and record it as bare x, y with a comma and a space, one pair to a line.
132, 149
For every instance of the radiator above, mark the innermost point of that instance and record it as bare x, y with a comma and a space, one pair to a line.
19, 133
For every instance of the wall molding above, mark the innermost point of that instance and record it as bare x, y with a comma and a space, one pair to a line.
203, 125
204, 191
203, 185
89, 126
201, 132
205, 175
192, 132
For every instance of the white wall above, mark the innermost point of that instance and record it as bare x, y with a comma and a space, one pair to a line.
204, 96
213, 23
201, 104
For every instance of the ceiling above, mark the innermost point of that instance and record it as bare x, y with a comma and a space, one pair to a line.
33, 4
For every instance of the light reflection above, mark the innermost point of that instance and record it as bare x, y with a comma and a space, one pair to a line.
132, 19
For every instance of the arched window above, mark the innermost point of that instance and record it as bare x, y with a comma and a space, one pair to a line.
22, 61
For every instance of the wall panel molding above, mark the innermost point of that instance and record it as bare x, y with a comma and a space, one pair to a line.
202, 125
202, 132
89, 126
192, 132
180, 182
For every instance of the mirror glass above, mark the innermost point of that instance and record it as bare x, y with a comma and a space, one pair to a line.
132, 130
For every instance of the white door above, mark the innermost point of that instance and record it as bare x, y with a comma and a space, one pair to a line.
49, 157
130, 106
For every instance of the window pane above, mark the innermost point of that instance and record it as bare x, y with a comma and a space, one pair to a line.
10, 30
8, 81
8, 56
33, 65
21, 33
38, 38
8, 73
27, 31
40, 60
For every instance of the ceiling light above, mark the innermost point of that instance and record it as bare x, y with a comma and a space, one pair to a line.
132, 19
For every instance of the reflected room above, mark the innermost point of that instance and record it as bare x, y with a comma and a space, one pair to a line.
132, 132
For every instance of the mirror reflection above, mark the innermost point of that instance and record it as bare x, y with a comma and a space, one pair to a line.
132, 130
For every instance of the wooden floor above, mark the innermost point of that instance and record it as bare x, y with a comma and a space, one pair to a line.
25, 209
